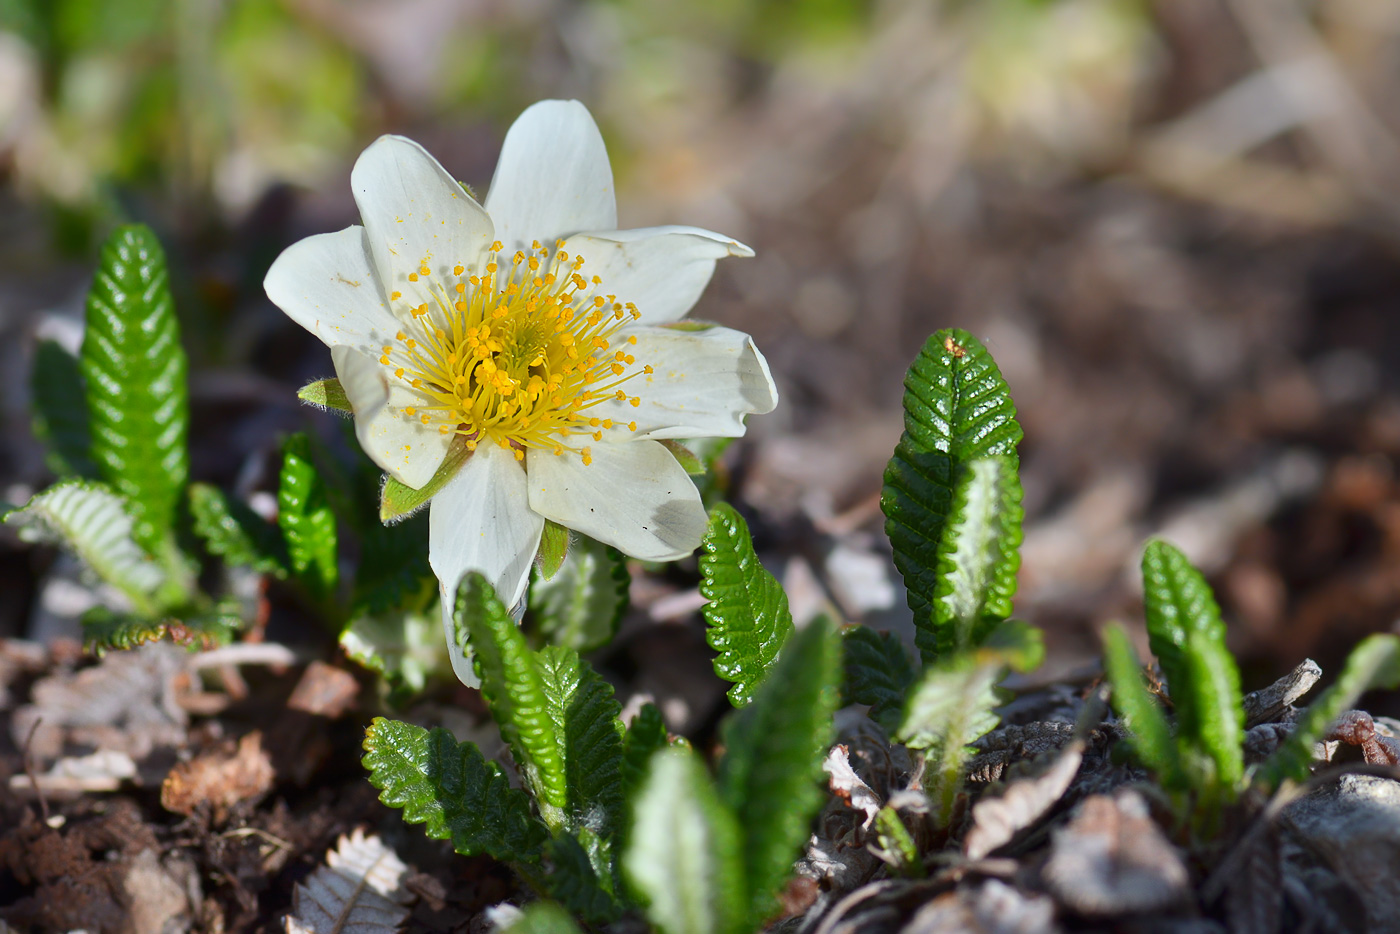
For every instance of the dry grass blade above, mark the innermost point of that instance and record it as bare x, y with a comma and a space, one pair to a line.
996, 820
358, 891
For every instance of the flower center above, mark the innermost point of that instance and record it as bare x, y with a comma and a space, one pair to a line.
518, 355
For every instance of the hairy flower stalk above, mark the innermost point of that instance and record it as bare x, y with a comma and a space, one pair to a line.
532, 333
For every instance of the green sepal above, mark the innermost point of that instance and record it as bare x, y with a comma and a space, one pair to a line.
515, 692
1374, 664
134, 373
450, 788
235, 533
326, 394
398, 500
307, 519
957, 408
554, 548
878, 672
1150, 733
684, 456
748, 617
769, 776
582, 605
684, 861
690, 325
61, 411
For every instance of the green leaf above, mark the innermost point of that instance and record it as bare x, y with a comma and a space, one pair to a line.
1178, 602
581, 606
1372, 665
574, 881
514, 690
397, 499
405, 647
452, 790
748, 612
326, 394
90, 520
393, 572
1151, 736
978, 556
584, 711
646, 735
236, 533
1016, 644
957, 409
893, 839
1213, 718
544, 918
61, 411
104, 629
684, 860
878, 671
950, 707
769, 776
134, 370
554, 548
306, 518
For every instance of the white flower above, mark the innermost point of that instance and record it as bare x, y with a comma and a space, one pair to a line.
532, 332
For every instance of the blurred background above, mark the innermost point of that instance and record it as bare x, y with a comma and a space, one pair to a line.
1176, 225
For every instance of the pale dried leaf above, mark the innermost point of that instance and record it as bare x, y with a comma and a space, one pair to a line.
1269, 704
358, 891
995, 820
850, 787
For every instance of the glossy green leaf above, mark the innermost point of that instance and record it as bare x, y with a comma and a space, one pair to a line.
574, 880
61, 411
1213, 719
978, 556
1373, 664
950, 707
684, 859
134, 372
393, 572
554, 548
306, 519
515, 691
91, 521
452, 790
643, 738
1177, 602
957, 409
581, 605
878, 671
747, 616
1151, 735
770, 774
104, 629
236, 533
543, 918
584, 714
398, 500
326, 394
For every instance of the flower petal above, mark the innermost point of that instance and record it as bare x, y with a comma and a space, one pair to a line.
482, 521
553, 178
415, 213
326, 284
704, 383
635, 497
399, 443
661, 270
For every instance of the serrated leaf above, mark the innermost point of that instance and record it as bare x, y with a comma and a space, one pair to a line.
748, 617
397, 499
575, 882
235, 532
1151, 736
134, 371
878, 671
61, 411
773, 751
90, 520
452, 790
978, 556
405, 647
543, 918
957, 409
1177, 602
684, 861
585, 713
644, 737
580, 606
1213, 719
306, 518
393, 572
514, 690
360, 890
1373, 664
326, 394
554, 548
950, 707
898, 847
104, 629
